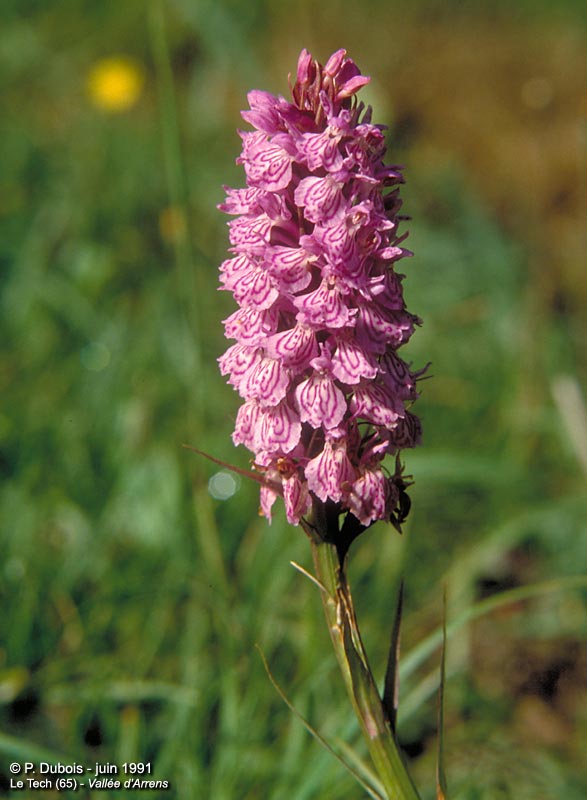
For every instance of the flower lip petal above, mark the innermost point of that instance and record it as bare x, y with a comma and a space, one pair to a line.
266, 380
296, 346
320, 402
290, 267
368, 500
330, 474
350, 363
267, 165
325, 307
250, 326
320, 197
279, 429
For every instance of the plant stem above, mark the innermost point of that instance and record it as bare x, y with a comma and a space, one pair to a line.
352, 659
187, 270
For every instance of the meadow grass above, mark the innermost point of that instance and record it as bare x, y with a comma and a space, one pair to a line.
132, 599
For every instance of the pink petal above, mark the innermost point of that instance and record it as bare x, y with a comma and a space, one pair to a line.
267, 380
296, 498
267, 497
330, 474
254, 288
321, 150
338, 241
250, 233
249, 326
242, 201
236, 362
334, 63
320, 402
263, 114
375, 404
350, 363
325, 306
267, 165
296, 346
290, 266
351, 86
368, 498
247, 425
321, 198
304, 63
279, 430
232, 268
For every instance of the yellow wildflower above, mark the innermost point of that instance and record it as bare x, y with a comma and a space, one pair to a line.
115, 83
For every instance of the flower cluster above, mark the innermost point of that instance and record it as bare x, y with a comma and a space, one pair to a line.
321, 312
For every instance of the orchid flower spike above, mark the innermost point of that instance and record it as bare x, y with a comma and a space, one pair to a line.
321, 314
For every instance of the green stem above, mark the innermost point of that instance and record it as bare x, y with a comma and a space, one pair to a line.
358, 678
187, 271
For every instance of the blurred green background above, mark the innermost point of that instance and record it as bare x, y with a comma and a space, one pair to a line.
135, 577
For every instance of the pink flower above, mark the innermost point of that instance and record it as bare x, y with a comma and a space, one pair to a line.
321, 314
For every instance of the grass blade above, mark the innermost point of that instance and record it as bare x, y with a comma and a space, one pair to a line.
391, 687
427, 646
441, 790
371, 791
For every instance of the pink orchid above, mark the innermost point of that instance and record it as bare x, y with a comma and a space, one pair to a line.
321, 311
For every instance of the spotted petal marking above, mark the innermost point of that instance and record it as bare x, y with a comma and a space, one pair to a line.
320, 402
279, 430
372, 402
267, 165
325, 306
330, 474
321, 198
249, 326
266, 380
368, 497
350, 363
290, 268
295, 347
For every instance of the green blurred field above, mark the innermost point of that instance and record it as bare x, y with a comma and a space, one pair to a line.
131, 596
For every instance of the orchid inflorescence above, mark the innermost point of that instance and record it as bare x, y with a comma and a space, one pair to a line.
321, 312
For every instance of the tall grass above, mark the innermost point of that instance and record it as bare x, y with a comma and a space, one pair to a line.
132, 599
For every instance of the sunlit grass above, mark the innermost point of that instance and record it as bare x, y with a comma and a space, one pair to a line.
132, 596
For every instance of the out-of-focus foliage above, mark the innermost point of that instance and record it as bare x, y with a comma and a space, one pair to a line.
135, 579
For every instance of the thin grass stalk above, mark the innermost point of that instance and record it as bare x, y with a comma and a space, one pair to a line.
187, 273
